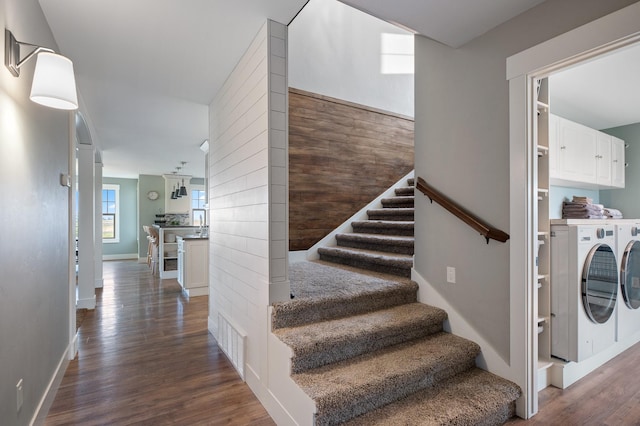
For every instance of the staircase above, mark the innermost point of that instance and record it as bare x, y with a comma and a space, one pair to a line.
373, 355
359, 349
384, 243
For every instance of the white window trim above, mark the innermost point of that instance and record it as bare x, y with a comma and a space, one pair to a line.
194, 188
116, 188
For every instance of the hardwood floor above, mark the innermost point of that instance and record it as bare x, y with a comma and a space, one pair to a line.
608, 396
146, 357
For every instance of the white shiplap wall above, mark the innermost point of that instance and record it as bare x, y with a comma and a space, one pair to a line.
248, 196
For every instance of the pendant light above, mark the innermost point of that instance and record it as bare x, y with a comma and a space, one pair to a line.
183, 189
173, 193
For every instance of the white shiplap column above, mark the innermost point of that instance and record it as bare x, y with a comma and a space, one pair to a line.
86, 227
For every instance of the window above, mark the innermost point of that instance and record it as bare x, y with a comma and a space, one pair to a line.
110, 213
198, 213
397, 54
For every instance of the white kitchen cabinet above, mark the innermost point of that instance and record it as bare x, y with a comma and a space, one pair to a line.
168, 248
618, 162
578, 148
584, 157
603, 159
193, 265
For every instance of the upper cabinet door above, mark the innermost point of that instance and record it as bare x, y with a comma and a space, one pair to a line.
603, 159
618, 162
578, 151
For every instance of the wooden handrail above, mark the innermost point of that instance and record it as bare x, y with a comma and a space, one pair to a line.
486, 230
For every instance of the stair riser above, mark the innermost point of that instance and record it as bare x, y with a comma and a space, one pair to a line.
401, 387
399, 217
337, 351
400, 232
387, 248
389, 214
399, 270
392, 203
401, 204
404, 192
332, 309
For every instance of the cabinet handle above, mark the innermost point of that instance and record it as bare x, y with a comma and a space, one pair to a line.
563, 147
615, 161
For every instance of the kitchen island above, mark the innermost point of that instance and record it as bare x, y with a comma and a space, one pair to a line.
193, 264
168, 247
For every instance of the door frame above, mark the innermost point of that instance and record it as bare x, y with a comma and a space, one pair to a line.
602, 36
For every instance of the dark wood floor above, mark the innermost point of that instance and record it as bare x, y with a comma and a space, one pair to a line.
146, 357
608, 396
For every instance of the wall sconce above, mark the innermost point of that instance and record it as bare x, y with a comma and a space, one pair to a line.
54, 84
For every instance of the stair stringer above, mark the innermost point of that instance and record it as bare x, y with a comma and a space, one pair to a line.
345, 227
290, 404
488, 360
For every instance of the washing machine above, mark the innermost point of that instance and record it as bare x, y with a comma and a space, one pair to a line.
628, 312
584, 289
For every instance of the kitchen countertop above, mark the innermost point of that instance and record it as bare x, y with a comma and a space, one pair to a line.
175, 226
193, 237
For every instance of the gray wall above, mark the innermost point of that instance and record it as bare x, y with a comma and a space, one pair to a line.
627, 200
335, 50
34, 289
128, 218
147, 208
462, 148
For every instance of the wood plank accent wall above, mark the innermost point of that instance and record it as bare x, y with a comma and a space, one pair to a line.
341, 156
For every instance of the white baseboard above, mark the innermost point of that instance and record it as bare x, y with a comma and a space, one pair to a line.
488, 359
297, 256
564, 374
120, 256
89, 303
330, 239
99, 283
54, 383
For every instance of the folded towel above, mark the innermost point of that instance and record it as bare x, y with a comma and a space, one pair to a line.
580, 199
612, 213
582, 210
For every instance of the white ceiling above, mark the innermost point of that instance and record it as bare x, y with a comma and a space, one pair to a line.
147, 69
452, 22
602, 93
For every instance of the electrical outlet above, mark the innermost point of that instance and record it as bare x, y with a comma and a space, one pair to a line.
19, 395
451, 274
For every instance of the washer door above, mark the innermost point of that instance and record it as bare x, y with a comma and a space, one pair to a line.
630, 275
600, 283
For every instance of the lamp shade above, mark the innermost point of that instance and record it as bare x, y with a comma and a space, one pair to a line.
54, 84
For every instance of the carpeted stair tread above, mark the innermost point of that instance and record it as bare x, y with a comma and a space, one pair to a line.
384, 227
346, 389
397, 264
399, 201
325, 292
322, 343
392, 213
386, 243
474, 397
404, 191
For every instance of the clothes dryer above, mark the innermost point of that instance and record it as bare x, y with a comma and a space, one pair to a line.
628, 312
584, 289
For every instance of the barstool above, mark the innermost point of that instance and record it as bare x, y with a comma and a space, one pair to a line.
152, 249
